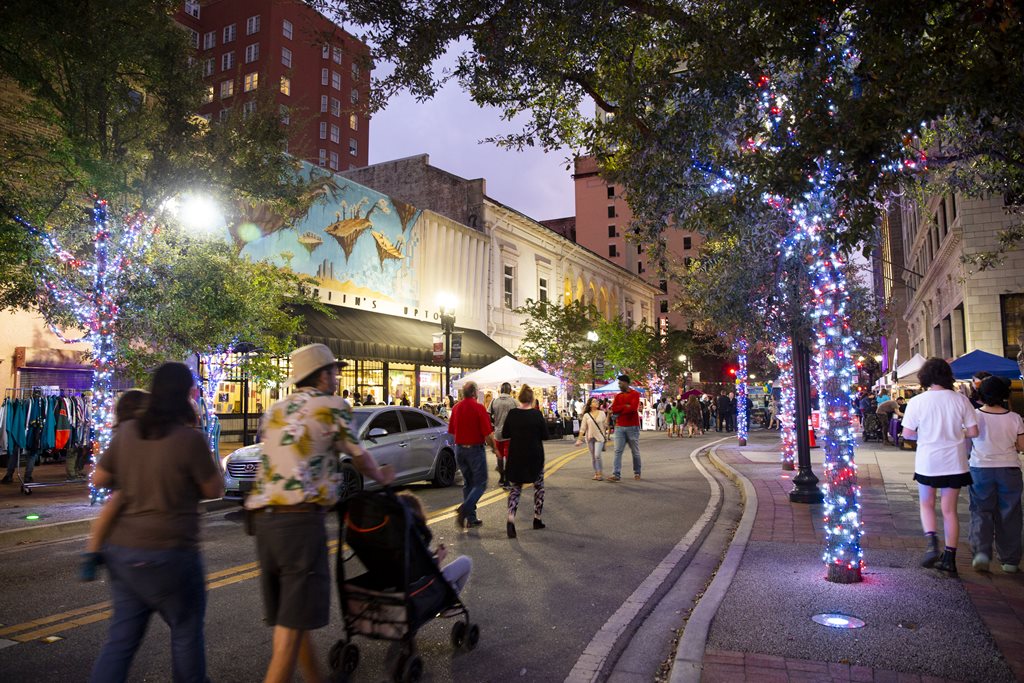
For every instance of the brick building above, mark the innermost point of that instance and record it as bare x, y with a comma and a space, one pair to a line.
320, 74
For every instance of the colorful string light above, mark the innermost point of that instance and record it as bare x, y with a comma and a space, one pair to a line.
787, 403
741, 391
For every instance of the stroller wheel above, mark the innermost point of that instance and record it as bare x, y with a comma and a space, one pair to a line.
409, 669
343, 657
472, 636
458, 633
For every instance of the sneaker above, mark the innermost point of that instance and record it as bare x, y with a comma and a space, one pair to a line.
637, 477
614, 478
460, 519
537, 524
474, 523
980, 563
1010, 568
597, 476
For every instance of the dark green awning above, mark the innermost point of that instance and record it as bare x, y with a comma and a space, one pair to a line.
364, 335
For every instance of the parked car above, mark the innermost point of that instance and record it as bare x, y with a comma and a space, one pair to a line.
415, 443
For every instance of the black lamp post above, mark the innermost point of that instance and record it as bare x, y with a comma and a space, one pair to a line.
805, 483
447, 326
592, 338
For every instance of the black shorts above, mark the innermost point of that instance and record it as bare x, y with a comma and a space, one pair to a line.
945, 481
295, 577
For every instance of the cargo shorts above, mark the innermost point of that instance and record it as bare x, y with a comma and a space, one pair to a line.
295, 577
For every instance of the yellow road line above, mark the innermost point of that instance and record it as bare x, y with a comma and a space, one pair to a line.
81, 616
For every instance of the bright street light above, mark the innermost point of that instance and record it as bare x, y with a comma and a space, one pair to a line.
878, 357
682, 358
196, 212
592, 336
447, 302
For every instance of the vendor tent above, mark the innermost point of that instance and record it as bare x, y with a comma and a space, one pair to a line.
613, 388
966, 365
906, 373
507, 369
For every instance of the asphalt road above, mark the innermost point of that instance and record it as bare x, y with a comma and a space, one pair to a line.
539, 599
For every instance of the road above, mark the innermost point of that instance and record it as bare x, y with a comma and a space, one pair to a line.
539, 599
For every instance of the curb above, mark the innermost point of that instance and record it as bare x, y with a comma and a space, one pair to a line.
59, 531
689, 660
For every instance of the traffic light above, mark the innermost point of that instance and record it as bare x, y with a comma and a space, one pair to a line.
732, 372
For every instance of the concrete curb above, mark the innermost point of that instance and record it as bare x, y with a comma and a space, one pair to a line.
59, 531
688, 663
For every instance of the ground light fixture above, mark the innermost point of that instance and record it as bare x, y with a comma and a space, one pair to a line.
835, 620
33, 517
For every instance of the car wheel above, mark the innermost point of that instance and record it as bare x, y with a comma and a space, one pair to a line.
351, 481
444, 475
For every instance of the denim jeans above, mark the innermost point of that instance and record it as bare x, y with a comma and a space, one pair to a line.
996, 512
169, 582
596, 449
624, 435
472, 461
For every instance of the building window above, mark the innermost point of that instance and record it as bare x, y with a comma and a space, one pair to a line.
353, 122
286, 57
286, 85
323, 157
687, 243
639, 268
208, 97
193, 37
335, 133
229, 33
323, 104
208, 66
335, 107
323, 130
286, 29
354, 96
227, 61
336, 55
252, 25
355, 72
542, 290
1011, 307
252, 53
510, 281
611, 192
353, 147
334, 160
612, 253
325, 51
227, 89
286, 117
209, 40
192, 8
336, 80
639, 249
664, 306
249, 108
252, 81
224, 114
611, 212
324, 76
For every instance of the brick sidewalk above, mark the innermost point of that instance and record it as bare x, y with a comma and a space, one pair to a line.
891, 521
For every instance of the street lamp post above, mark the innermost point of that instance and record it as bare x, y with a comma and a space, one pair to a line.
686, 368
592, 338
447, 305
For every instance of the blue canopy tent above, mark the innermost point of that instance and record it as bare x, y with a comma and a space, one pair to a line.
966, 365
613, 388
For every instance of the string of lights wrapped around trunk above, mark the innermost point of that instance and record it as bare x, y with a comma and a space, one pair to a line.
786, 408
741, 391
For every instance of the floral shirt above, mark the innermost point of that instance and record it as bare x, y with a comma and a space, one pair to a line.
302, 435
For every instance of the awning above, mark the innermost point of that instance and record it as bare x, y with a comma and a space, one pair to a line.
365, 335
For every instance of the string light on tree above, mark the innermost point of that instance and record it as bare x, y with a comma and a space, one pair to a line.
787, 403
741, 391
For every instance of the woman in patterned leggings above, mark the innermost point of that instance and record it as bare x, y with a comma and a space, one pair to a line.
525, 429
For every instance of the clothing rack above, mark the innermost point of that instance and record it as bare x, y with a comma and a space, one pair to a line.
42, 392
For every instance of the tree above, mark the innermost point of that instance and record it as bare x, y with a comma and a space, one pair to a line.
555, 338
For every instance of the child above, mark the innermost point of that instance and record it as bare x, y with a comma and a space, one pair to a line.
457, 572
995, 472
131, 403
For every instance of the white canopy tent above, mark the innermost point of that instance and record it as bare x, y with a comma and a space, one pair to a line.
906, 373
507, 369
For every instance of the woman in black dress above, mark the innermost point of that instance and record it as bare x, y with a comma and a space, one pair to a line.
525, 429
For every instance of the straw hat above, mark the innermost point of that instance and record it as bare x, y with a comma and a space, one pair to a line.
308, 359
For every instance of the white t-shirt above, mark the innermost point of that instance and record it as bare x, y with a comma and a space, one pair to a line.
996, 443
939, 417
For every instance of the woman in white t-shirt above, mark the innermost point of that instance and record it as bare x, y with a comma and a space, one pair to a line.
997, 486
940, 420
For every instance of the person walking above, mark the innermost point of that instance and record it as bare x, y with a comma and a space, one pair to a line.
298, 482
939, 419
525, 429
996, 479
500, 407
593, 427
471, 426
161, 467
723, 408
626, 416
694, 422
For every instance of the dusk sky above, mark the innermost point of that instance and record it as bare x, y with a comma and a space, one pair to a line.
449, 128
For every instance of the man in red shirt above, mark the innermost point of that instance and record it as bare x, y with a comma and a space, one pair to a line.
471, 426
625, 411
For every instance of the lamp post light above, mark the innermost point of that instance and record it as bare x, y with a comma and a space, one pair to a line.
686, 368
446, 302
593, 338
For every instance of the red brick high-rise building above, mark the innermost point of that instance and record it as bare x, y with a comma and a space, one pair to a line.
320, 74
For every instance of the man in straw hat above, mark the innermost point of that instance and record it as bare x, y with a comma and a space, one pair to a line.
298, 482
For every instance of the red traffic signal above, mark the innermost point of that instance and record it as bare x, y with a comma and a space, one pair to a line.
732, 371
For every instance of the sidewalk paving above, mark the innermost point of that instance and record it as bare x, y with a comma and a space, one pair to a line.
921, 626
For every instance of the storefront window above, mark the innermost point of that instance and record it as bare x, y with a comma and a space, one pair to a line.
402, 382
370, 381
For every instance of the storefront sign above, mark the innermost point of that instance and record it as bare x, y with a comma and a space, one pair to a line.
438, 344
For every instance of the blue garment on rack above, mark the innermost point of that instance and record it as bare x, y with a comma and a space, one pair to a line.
49, 417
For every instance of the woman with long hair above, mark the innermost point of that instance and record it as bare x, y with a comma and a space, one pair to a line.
941, 420
593, 427
525, 429
162, 467
694, 421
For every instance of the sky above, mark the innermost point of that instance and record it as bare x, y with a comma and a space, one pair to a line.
450, 127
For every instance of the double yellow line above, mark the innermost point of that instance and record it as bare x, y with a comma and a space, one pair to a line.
90, 614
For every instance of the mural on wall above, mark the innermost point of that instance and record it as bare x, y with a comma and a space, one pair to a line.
354, 240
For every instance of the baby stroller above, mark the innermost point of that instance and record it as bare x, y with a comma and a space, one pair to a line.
401, 590
874, 430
